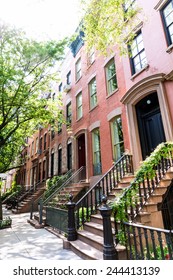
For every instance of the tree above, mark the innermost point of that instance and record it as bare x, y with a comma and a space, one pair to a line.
107, 23
27, 69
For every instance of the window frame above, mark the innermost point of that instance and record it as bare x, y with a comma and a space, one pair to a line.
108, 80
78, 69
93, 95
79, 106
97, 166
138, 54
166, 28
117, 153
69, 114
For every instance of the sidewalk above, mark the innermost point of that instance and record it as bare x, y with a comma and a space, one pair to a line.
25, 242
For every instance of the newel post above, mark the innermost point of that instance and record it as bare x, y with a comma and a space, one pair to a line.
109, 252
71, 230
41, 211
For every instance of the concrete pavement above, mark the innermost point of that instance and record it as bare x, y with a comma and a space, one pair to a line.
22, 241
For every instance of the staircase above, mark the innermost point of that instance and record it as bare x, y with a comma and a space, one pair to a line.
89, 245
24, 202
62, 197
75, 185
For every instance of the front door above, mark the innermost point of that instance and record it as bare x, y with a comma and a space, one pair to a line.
150, 124
81, 151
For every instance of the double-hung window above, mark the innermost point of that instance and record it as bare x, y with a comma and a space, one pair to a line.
79, 105
117, 138
96, 152
93, 93
137, 52
69, 114
78, 69
167, 16
111, 77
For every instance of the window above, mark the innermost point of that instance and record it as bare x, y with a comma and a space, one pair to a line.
69, 78
91, 57
45, 141
60, 87
52, 164
40, 145
111, 77
128, 4
69, 155
167, 16
79, 105
93, 93
59, 160
32, 149
36, 145
78, 69
44, 170
69, 114
39, 172
96, 152
117, 138
138, 57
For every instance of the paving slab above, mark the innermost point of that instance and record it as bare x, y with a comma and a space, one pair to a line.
22, 241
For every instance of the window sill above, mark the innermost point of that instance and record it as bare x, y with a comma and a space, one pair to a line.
78, 80
112, 93
79, 119
93, 108
140, 71
169, 49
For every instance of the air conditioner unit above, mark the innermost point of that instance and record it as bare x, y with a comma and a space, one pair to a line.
67, 88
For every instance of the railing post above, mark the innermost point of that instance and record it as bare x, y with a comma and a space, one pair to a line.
41, 211
32, 207
71, 230
109, 252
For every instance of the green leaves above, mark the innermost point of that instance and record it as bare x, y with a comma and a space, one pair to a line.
106, 24
27, 70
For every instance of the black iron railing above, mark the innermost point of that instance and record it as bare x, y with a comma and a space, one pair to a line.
147, 243
76, 177
139, 191
90, 202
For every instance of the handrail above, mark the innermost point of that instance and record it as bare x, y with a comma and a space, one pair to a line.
74, 175
138, 192
92, 198
146, 242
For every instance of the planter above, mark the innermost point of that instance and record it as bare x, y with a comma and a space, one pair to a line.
6, 223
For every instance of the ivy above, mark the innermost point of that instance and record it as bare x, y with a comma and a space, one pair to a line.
130, 197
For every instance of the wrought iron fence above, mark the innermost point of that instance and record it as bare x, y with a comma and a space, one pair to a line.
89, 203
57, 218
147, 243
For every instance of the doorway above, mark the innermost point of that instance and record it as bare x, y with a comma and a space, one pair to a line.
81, 151
150, 125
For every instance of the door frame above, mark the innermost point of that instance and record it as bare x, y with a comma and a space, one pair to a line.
137, 92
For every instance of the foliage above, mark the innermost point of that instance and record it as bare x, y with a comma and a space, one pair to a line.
130, 196
53, 184
158, 253
27, 72
107, 23
5, 222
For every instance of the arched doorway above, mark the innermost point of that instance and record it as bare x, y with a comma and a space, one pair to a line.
150, 125
81, 150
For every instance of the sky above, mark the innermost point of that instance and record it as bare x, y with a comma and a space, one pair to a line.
44, 19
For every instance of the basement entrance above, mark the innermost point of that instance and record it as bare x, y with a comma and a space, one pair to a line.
150, 124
